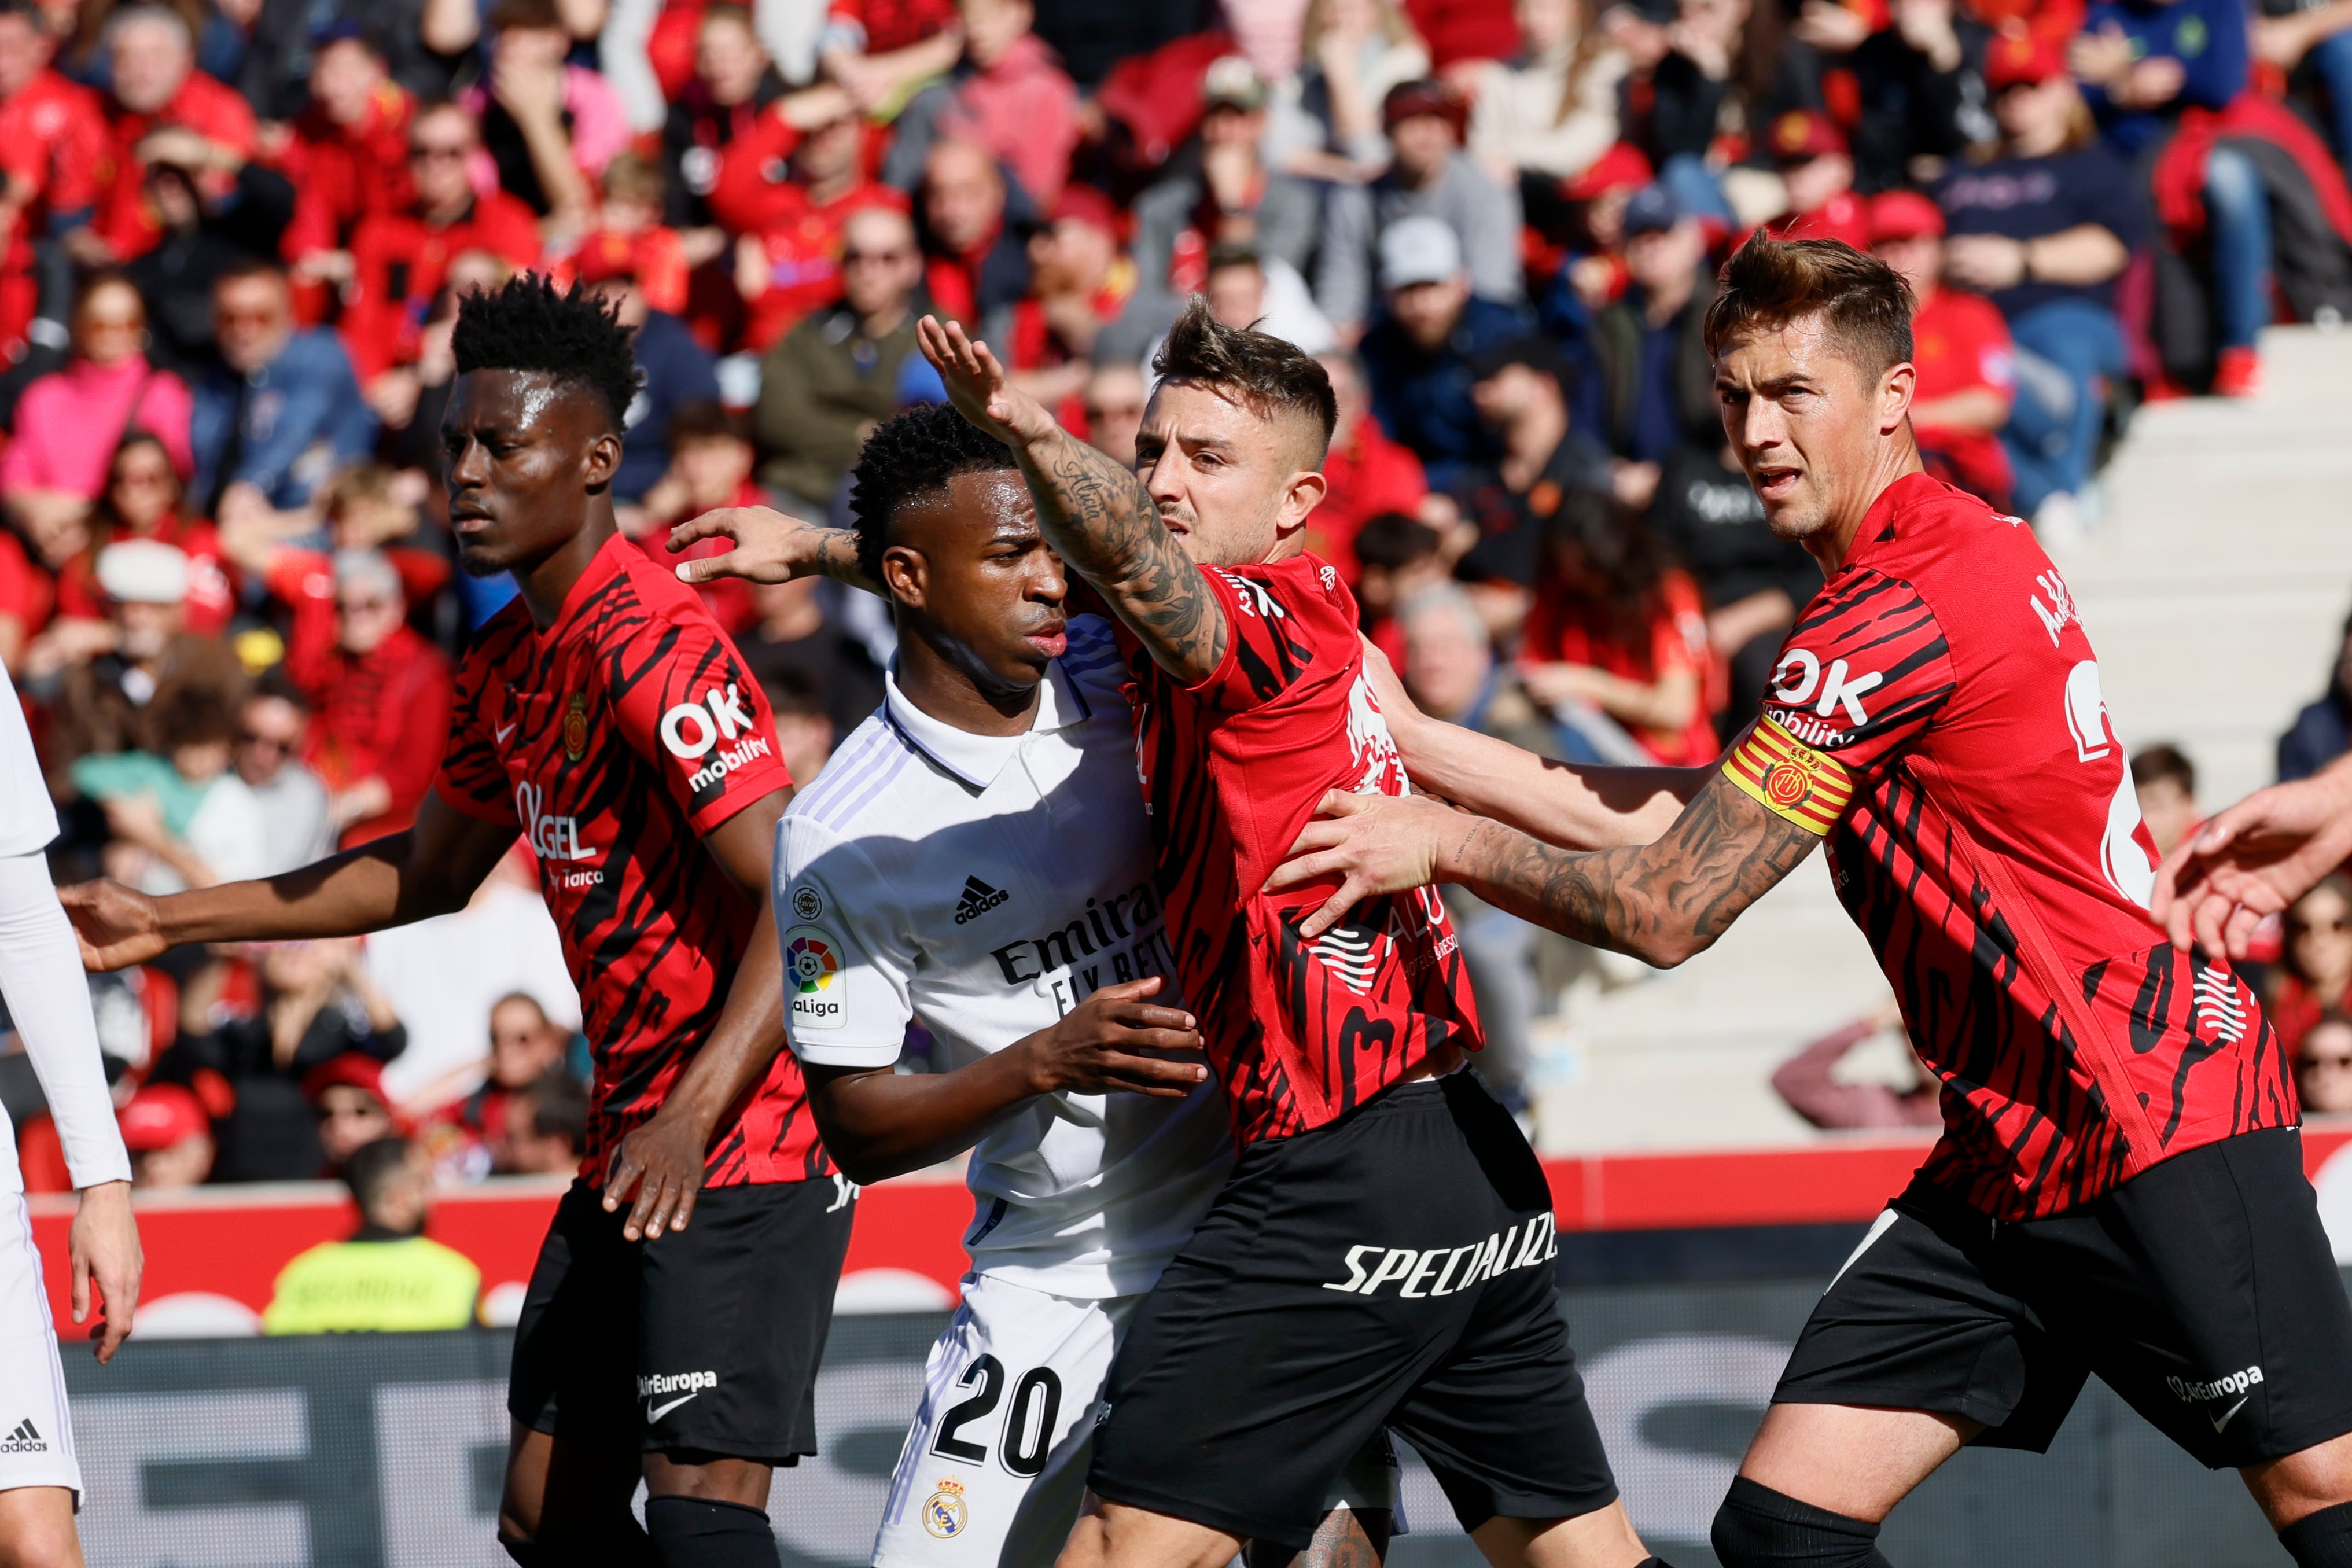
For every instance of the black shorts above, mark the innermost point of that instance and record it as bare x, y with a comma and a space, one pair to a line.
2202, 1290
1394, 1268
704, 1340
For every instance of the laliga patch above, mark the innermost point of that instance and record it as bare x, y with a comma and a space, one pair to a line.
943, 1511
812, 978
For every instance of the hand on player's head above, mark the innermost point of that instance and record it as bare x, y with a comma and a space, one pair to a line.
770, 547
1373, 844
978, 386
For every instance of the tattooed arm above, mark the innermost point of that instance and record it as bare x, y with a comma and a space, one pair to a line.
1661, 903
1095, 514
770, 547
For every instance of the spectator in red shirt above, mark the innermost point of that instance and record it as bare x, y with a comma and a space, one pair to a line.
69, 422
400, 259
1819, 172
1961, 347
2316, 971
156, 84
2165, 780
789, 215
732, 83
53, 145
350, 152
1009, 95
974, 264
881, 50
1616, 627
378, 693
630, 237
144, 498
550, 126
1086, 303
1366, 472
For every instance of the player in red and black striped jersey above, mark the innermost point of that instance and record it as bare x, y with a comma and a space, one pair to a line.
604, 718
1380, 1254
2119, 1188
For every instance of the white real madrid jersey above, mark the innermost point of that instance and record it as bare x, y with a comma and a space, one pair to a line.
987, 885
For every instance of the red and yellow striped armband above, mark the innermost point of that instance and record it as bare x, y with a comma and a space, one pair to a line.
1790, 779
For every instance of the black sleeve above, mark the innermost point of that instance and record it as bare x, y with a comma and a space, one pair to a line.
2110, 196
1683, 109
254, 218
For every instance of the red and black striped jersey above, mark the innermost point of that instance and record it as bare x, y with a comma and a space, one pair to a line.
612, 740
1937, 713
1299, 1032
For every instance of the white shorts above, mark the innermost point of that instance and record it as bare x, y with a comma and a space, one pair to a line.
37, 1448
994, 1469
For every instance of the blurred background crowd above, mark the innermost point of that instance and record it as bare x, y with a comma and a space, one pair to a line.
235, 231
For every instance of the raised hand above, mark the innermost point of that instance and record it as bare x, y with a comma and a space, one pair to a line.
980, 389
118, 926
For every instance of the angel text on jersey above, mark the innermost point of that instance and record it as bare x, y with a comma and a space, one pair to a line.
553, 837
694, 730
1833, 692
1445, 1270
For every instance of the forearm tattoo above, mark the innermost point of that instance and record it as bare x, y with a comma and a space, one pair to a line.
1660, 902
1105, 524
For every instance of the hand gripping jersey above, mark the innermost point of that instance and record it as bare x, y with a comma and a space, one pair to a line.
1299, 1032
1937, 714
612, 740
987, 885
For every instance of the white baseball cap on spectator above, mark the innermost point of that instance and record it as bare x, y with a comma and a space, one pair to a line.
143, 572
1420, 250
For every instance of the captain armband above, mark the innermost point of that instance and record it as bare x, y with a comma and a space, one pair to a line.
1790, 779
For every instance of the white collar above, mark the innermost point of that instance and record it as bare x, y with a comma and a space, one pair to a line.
977, 760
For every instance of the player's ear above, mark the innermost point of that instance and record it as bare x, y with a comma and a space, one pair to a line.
1306, 490
603, 459
906, 575
1895, 390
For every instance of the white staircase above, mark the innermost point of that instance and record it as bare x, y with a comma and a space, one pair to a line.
2215, 592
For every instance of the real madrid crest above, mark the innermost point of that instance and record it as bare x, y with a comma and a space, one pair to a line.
943, 1511
575, 727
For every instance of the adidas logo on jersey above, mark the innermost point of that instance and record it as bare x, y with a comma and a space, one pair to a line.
25, 1439
978, 898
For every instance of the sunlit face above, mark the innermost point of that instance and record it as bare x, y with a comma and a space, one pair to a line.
1234, 489
523, 1047
110, 324
2322, 1068
151, 59
366, 612
728, 59
2036, 114
141, 488
1429, 311
714, 468
1919, 258
2169, 810
145, 631
270, 732
343, 79
1236, 295
963, 194
1446, 662
1546, 25
879, 263
524, 454
348, 1117
439, 145
1114, 404
1423, 144
252, 318
1806, 423
977, 580
2319, 937
24, 51
992, 26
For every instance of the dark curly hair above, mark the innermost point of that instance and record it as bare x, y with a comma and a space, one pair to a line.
914, 454
575, 337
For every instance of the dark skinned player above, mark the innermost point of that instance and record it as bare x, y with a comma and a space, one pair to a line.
1018, 921
604, 717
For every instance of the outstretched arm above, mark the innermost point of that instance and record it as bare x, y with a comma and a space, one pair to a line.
2254, 860
1571, 804
1661, 903
1095, 514
770, 547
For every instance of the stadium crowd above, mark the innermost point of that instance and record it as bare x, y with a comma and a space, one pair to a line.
236, 231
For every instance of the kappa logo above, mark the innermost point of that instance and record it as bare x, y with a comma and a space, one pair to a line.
978, 898
25, 1439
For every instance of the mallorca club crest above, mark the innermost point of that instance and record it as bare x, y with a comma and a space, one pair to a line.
943, 1511
575, 727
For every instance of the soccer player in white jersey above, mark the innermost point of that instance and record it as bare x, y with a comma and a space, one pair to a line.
975, 855
48, 1000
